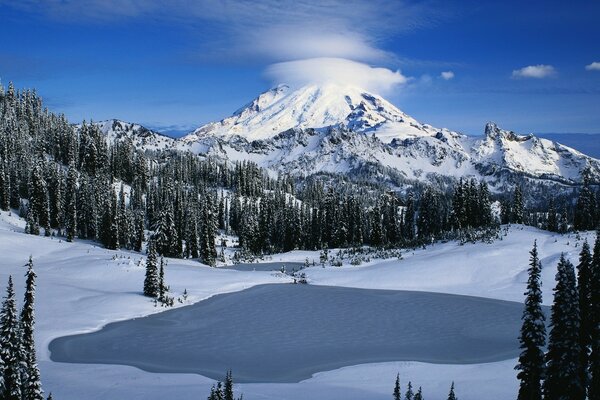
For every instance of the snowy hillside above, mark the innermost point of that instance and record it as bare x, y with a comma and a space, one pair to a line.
140, 136
82, 287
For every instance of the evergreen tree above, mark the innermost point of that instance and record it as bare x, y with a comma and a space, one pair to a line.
162, 288
533, 335
594, 385
151, 284
451, 395
228, 387
564, 370
518, 209
10, 346
71, 203
31, 384
409, 392
397, 393
585, 211
208, 252
419, 394
584, 287
552, 222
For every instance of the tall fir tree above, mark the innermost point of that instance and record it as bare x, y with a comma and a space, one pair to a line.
452, 395
584, 287
151, 288
31, 382
563, 369
594, 368
10, 346
518, 208
397, 392
419, 394
533, 335
70, 211
409, 392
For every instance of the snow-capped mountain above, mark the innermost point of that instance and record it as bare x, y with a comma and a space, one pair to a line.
314, 106
140, 136
341, 129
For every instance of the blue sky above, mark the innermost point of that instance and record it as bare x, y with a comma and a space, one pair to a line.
178, 64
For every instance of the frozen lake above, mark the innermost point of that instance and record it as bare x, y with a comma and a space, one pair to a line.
286, 333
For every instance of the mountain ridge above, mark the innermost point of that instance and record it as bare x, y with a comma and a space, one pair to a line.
347, 130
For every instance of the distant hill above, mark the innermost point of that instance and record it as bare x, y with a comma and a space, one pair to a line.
587, 143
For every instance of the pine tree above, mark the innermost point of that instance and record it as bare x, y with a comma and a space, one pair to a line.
162, 288
228, 387
533, 335
151, 288
208, 252
584, 287
419, 394
31, 384
518, 212
71, 203
451, 395
10, 346
594, 385
564, 370
397, 393
409, 392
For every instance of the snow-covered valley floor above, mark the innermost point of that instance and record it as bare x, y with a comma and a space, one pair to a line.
82, 287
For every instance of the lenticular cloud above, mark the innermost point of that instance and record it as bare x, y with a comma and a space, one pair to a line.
335, 70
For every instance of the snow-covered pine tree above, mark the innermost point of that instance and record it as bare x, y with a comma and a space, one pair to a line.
228, 387
208, 252
518, 209
552, 220
584, 287
162, 288
70, 204
585, 210
10, 346
409, 392
151, 288
594, 384
397, 393
563, 369
452, 395
419, 394
533, 334
31, 383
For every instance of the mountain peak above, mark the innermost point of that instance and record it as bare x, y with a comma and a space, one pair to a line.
315, 106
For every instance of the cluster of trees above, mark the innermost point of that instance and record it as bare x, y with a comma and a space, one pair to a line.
223, 390
154, 281
418, 395
19, 373
570, 369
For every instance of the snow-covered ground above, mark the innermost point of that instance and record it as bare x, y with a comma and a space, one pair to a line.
82, 287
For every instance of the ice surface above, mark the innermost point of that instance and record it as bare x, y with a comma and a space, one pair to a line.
286, 333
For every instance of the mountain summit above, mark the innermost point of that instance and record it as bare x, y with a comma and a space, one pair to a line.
317, 107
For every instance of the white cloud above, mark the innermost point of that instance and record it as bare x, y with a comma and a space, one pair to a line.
595, 66
535, 71
335, 70
447, 75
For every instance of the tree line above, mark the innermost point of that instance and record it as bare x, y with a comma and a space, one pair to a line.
570, 368
19, 373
